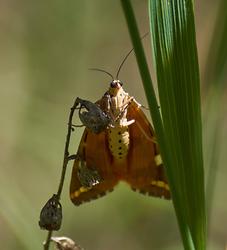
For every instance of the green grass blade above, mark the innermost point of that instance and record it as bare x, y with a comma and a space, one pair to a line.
173, 35
180, 135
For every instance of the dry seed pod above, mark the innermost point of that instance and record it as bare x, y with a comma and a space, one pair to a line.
65, 243
51, 215
92, 116
88, 177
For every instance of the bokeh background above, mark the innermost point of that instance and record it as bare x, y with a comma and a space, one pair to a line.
46, 48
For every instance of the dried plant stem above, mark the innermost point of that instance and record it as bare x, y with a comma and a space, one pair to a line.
66, 159
47, 242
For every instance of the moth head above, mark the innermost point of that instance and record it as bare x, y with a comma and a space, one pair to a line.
115, 86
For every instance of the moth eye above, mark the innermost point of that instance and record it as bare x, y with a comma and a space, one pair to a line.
113, 84
116, 84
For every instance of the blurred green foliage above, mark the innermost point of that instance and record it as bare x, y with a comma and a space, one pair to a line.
46, 49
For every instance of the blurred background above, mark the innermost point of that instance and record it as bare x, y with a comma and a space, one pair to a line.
46, 48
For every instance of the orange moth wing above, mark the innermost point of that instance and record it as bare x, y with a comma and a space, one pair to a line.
145, 168
94, 153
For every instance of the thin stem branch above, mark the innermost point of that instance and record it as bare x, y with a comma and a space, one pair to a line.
64, 167
47, 242
66, 152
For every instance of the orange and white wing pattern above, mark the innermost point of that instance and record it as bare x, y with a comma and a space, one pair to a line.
94, 159
145, 169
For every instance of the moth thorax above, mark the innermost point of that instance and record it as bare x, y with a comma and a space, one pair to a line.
118, 138
118, 103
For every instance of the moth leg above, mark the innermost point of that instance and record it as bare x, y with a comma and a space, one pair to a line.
78, 126
129, 101
148, 137
72, 157
127, 123
138, 106
144, 107
124, 108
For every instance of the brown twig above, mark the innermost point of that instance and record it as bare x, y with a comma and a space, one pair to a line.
64, 167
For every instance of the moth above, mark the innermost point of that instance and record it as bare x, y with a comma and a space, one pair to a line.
118, 144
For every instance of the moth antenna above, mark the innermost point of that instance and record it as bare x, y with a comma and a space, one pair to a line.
122, 63
104, 71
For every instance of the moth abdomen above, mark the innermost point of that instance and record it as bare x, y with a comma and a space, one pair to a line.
119, 141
